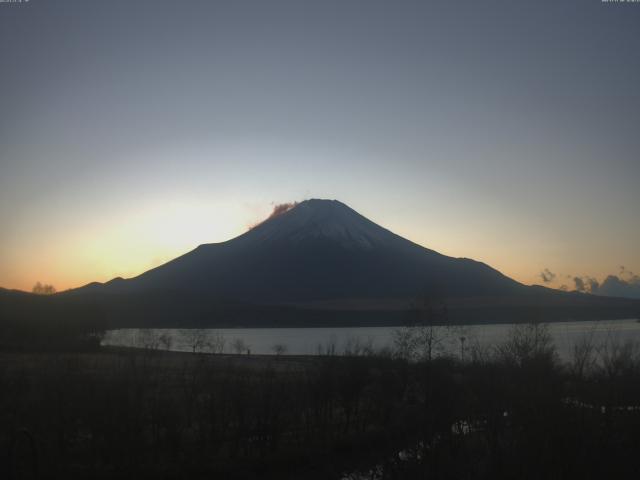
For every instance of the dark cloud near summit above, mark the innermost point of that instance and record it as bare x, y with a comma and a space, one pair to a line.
281, 208
278, 210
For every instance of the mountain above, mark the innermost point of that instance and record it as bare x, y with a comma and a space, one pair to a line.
317, 250
322, 263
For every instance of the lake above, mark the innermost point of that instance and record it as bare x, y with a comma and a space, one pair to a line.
311, 341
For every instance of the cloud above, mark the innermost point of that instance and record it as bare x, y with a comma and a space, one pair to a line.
278, 209
547, 275
615, 286
629, 275
281, 208
625, 284
592, 283
586, 284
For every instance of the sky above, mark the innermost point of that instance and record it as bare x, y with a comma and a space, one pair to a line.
133, 131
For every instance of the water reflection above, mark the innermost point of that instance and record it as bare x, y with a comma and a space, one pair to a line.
360, 340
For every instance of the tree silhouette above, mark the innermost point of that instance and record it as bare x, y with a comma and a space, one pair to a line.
43, 289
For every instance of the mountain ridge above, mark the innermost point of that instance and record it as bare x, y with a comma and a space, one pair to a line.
317, 250
321, 263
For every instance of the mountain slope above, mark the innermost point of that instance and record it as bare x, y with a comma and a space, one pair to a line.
321, 263
318, 250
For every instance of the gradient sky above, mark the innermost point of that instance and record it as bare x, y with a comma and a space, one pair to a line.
132, 131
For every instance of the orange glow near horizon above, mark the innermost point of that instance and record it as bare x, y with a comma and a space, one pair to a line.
151, 235
118, 247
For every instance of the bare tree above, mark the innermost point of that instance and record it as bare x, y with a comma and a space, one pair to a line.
618, 358
527, 342
584, 356
43, 289
355, 346
147, 339
166, 341
279, 349
197, 339
329, 349
217, 343
405, 341
239, 346
425, 337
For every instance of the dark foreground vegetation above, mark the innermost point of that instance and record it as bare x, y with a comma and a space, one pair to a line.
514, 412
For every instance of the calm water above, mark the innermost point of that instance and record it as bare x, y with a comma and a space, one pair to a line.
310, 341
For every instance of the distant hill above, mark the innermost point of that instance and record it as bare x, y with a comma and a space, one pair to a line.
50, 322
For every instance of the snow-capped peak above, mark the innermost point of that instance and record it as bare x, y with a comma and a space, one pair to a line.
329, 219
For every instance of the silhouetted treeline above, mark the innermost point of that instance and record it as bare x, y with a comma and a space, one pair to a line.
513, 412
